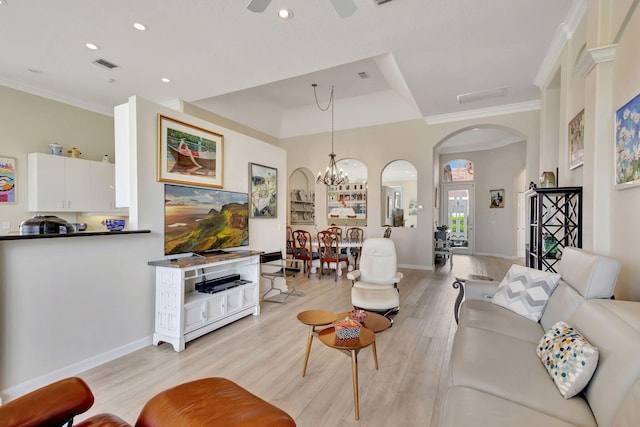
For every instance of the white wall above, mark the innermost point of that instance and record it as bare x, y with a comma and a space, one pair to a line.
29, 123
625, 204
69, 304
376, 146
266, 234
500, 168
601, 84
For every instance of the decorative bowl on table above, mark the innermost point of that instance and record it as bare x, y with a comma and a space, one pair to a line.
358, 315
115, 224
347, 328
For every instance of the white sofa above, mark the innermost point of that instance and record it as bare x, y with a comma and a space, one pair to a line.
496, 378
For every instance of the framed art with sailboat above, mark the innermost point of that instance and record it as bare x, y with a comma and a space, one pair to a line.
188, 154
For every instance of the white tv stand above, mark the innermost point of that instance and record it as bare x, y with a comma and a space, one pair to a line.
183, 314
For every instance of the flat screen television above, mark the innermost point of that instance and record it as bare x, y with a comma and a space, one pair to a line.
204, 220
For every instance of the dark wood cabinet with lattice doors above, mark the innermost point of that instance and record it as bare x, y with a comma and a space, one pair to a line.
555, 222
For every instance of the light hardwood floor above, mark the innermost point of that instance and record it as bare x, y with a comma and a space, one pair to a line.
265, 354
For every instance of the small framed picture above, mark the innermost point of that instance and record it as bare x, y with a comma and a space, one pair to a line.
189, 155
576, 141
263, 191
7, 180
497, 198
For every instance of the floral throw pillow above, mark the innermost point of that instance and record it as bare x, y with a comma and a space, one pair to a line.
525, 291
568, 357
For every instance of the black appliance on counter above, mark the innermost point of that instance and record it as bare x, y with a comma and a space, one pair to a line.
45, 224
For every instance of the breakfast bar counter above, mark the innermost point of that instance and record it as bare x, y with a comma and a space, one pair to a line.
76, 234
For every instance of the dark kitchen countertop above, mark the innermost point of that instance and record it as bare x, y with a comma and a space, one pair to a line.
67, 235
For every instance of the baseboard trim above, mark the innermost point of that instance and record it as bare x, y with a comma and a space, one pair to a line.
503, 256
73, 370
416, 267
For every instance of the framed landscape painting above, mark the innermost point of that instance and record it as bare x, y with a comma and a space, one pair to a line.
576, 141
627, 144
7, 180
263, 191
188, 154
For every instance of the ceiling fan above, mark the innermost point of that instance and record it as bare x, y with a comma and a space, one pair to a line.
344, 8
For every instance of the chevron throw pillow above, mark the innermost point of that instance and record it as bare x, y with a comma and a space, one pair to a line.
525, 291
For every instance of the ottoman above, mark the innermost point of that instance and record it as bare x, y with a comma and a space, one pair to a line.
210, 402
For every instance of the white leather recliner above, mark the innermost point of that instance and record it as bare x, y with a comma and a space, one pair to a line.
375, 283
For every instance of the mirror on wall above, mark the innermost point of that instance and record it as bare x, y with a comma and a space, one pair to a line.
347, 203
399, 196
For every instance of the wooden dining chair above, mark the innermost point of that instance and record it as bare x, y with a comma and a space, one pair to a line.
329, 251
355, 234
335, 229
290, 245
303, 250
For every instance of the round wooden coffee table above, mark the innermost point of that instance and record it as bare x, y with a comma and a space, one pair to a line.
351, 347
314, 319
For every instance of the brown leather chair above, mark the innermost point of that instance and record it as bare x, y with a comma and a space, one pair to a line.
204, 402
55, 404
211, 402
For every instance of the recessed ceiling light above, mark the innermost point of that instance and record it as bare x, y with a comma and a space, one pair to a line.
139, 26
3, 3
166, 80
285, 14
91, 46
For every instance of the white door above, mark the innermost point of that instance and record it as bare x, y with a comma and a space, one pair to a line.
458, 214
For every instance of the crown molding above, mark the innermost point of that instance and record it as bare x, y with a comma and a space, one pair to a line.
13, 84
563, 34
483, 112
591, 57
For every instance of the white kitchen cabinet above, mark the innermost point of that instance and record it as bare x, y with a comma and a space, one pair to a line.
183, 314
65, 184
58, 184
103, 193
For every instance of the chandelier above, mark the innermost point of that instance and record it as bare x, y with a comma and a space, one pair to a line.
332, 175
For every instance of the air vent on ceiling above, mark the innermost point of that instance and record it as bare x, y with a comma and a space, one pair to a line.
105, 64
482, 94
379, 2
363, 75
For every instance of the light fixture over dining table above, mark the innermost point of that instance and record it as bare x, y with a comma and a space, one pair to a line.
332, 175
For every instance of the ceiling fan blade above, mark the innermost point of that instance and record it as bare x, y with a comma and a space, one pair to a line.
258, 5
345, 8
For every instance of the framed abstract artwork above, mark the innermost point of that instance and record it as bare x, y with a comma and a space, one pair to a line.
7, 180
263, 191
189, 155
576, 141
627, 145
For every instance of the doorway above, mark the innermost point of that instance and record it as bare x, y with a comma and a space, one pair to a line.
458, 212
